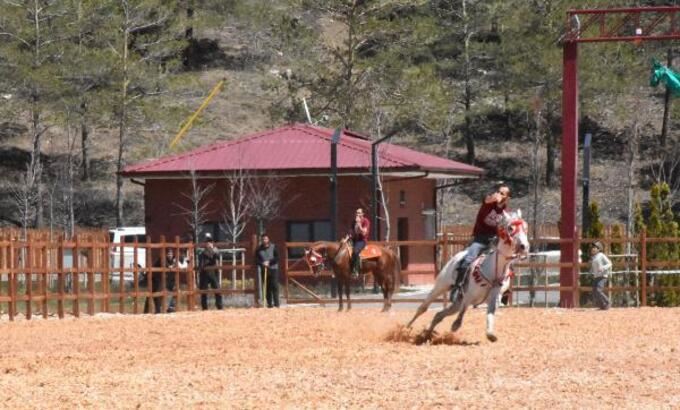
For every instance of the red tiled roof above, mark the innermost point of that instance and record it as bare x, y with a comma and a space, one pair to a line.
298, 148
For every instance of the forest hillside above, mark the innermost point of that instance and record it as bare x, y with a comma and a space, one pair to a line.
89, 86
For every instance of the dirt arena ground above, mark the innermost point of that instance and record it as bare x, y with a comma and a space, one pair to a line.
306, 357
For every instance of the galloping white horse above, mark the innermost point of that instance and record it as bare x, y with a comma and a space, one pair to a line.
486, 277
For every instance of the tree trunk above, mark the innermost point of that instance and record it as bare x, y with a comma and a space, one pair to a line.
469, 141
666, 105
35, 167
84, 146
549, 149
122, 132
189, 30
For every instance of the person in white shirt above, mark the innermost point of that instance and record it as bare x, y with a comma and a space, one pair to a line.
600, 268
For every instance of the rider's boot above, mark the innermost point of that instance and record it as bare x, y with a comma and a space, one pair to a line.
356, 267
458, 284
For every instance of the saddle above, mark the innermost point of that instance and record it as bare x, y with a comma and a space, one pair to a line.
369, 252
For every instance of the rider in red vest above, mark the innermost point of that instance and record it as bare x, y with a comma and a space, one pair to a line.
359, 234
488, 217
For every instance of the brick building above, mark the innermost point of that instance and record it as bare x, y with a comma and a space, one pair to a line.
298, 158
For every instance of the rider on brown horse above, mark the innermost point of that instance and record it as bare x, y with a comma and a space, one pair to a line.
358, 233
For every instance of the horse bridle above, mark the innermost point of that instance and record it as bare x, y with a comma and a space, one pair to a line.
509, 231
315, 260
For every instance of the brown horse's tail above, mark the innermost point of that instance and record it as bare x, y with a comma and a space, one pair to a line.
397, 273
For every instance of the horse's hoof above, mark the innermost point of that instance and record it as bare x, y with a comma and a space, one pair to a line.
455, 327
492, 337
423, 337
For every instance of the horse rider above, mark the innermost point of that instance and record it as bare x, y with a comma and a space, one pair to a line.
491, 212
359, 235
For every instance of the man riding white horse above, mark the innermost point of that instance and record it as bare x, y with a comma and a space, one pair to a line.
491, 212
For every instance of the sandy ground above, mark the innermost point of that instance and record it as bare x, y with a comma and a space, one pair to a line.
306, 357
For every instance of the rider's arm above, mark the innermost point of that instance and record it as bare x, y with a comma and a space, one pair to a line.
493, 198
364, 229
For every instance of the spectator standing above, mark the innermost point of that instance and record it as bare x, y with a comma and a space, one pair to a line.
207, 272
268, 262
157, 282
600, 268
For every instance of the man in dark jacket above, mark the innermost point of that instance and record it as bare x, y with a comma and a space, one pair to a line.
207, 272
268, 268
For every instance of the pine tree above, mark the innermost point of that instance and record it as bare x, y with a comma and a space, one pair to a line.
32, 37
146, 43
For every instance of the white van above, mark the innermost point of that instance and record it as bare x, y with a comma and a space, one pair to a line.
126, 235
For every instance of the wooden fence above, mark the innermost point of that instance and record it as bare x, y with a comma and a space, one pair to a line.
62, 278
642, 274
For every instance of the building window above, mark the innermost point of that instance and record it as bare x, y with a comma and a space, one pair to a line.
402, 198
306, 231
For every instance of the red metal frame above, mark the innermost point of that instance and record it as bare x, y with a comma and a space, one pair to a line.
599, 25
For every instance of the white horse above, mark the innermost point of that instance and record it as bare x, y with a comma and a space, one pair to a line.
487, 277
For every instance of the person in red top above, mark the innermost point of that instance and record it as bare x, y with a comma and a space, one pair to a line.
488, 217
359, 233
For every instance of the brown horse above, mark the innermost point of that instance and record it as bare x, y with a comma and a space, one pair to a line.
385, 267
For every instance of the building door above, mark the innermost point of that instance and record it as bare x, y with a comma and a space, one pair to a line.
402, 235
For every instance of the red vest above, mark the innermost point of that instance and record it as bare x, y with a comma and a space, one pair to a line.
488, 217
357, 235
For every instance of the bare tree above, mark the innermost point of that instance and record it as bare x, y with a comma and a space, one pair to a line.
24, 196
196, 213
236, 206
265, 199
668, 170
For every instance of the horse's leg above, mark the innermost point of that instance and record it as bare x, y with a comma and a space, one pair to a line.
492, 301
340, 283
387, 295
439, 289
459, 320
347, 291
447, 311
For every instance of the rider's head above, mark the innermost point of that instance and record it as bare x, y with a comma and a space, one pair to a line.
504, 191
359, 212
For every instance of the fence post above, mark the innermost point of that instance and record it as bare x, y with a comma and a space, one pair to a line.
106, 280
258, 283
643, 267
149, 270
60, 278
43, 278
164, 270
576, 269
285, 268
135, 277
191, 277
90, 278
76, 278
12, 281
28, 277
176, 274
